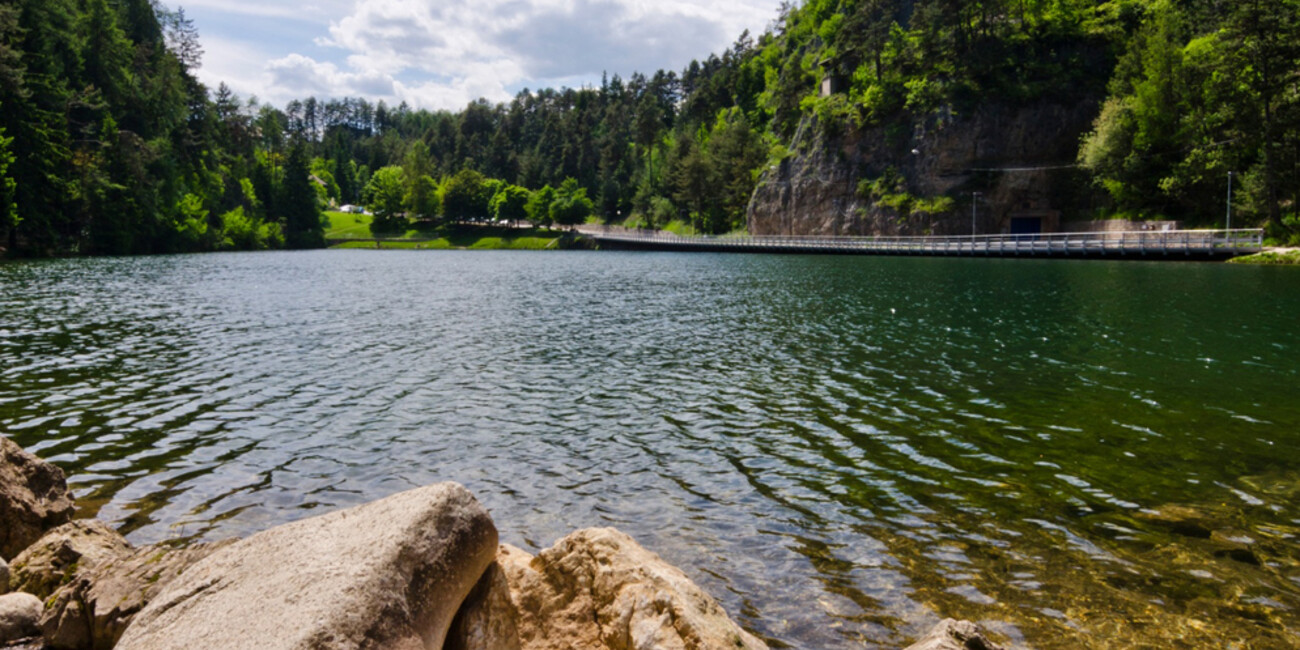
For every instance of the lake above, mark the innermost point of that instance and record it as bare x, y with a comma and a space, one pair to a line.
840, 449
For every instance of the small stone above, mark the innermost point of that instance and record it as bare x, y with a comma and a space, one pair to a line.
1181, 520
34, 498
1232, 539
1235, 545
19, 614
951, 634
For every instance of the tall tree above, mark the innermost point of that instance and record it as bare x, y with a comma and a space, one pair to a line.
1265, 35
463, 198
385, 196
298, 203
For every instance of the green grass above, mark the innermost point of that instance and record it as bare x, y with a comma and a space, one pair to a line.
1276, 258
344, 226
680, 227
467, 237
357, 226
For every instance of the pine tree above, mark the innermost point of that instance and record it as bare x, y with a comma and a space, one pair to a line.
298, 205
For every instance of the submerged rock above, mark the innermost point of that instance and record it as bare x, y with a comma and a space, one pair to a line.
1181, 520
33, 498
952, 634
56, 558
598, 589
18, 617
387, 574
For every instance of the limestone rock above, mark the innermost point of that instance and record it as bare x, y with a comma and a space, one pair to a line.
952, 634
387, 574
33, 498
487, 620
597, 588
55, 559
93, 610
18, 616
816, 191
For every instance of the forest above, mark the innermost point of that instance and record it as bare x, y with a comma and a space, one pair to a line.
110, 145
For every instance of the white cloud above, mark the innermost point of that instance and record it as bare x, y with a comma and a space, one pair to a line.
446, 53
239, 65
319, 11
301, 77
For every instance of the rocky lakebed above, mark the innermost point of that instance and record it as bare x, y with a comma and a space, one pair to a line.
421, 569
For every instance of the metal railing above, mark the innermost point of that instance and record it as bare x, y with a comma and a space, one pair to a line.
1214, 243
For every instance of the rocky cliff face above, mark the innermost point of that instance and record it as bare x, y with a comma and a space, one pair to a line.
1018, 158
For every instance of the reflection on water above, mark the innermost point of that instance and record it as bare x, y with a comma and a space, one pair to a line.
840, 449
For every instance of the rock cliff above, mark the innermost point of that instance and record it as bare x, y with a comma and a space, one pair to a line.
1018, 157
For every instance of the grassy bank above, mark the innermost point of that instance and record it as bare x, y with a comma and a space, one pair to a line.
471, 238
1280, 257
448, 237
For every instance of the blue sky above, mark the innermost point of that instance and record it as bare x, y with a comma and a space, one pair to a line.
439, 54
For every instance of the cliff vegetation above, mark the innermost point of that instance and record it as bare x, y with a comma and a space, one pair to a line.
845, 116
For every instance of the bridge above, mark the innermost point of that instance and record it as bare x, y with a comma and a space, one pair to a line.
1142, 244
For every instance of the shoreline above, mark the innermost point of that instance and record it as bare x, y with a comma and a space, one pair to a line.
1272, 256
417, 569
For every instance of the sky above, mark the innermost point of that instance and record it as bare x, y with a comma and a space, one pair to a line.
443, 54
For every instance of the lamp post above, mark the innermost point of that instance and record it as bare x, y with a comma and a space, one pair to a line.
1229, 201
974, 206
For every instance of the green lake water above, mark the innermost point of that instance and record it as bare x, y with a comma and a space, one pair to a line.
841, 449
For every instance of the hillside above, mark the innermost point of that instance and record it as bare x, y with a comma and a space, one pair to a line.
1043, 111
848, 117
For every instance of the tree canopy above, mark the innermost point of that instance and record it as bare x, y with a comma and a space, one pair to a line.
109, 144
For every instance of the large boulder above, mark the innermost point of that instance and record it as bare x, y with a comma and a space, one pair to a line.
18, 616
598, 589
951, 634
92, 611
388, 574
33, 498
56, 558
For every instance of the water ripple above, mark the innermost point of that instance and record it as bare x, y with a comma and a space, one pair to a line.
842, 449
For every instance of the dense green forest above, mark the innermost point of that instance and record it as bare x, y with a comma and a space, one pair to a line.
111, 145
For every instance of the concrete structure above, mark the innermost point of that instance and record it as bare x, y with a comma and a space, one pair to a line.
1146, 244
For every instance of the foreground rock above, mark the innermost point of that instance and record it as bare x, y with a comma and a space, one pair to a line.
55, 559
487, 620
388, 574
18, 616
595, 589
93, 610
951, 634
33, 498
94, 581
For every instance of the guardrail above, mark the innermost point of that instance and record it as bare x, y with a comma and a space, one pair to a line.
1190, 243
